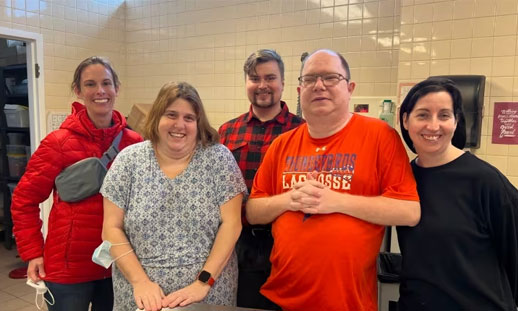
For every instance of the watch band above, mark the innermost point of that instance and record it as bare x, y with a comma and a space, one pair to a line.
206, 277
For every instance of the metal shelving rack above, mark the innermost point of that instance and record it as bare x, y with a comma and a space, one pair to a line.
19, 73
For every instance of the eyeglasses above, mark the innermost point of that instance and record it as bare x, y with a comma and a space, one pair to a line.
328, 79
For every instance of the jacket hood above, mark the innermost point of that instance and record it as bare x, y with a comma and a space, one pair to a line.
80, 123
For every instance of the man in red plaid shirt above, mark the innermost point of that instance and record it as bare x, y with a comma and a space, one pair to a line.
248, 137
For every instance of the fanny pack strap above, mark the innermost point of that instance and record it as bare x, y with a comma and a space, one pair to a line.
112, 152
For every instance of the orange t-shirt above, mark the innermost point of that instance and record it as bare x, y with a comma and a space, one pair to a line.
328, 262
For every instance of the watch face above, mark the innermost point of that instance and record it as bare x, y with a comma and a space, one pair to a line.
204, 276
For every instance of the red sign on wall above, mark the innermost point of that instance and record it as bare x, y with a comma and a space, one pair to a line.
505, 123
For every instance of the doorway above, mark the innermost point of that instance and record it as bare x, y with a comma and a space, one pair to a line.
22, 122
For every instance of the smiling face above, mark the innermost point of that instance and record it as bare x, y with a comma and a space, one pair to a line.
264, 87
431, 124
319, 100
97, 90
177, 129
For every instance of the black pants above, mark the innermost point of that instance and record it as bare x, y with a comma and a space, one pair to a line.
253, 253
248, 295
78, 296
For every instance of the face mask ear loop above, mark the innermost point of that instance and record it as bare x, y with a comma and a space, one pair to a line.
51, 296
36, 301
43, 299
120, 256
115, 244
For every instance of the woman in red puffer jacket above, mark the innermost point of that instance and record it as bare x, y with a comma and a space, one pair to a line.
63, 259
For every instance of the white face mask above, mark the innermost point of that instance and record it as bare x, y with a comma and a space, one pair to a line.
102, 256
41, 289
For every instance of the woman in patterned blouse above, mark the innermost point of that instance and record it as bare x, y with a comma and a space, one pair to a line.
176, 199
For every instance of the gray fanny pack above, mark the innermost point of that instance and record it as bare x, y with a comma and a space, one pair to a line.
85, 178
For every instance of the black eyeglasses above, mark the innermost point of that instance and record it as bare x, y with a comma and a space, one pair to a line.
328, 79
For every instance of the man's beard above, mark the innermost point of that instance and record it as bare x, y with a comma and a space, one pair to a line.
263, 104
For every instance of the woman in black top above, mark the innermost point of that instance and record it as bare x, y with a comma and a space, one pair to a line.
463, 255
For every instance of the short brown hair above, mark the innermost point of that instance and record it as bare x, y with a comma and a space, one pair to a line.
260, 57
170, 92
76, 82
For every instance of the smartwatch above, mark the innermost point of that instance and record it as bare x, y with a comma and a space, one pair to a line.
206, 277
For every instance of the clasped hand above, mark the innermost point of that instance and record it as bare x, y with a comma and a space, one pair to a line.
150, 297
313, 197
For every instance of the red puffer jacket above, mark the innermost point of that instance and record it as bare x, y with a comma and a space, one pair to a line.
74, 229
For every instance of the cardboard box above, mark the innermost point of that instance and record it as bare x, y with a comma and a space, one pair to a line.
137, 117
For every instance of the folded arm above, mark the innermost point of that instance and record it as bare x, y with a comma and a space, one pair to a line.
312, 197
266, 210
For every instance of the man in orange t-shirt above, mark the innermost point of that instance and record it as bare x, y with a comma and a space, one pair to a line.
329, 187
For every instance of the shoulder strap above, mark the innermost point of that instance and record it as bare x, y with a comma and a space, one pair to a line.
112, 152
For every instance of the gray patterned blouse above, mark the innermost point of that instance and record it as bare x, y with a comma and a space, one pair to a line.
172, 223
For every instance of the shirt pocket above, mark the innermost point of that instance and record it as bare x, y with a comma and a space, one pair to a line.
238, 145
238, 149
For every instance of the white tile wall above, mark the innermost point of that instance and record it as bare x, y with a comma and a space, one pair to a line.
468, 37
206, 42
72, 30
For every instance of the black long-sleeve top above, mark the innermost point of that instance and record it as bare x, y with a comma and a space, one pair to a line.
463, 254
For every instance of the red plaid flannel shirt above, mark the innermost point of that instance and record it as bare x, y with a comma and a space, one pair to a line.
248, 138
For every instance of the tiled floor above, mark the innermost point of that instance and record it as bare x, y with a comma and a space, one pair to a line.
15, 295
